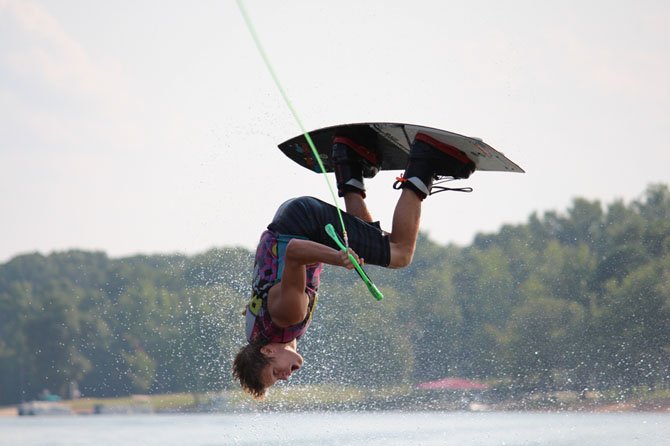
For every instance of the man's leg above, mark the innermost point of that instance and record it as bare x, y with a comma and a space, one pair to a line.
355, 205
405, 229
428, 158
350, 168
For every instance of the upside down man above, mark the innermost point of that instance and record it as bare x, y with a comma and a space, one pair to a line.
294, 247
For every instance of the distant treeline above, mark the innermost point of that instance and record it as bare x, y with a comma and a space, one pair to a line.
575, 300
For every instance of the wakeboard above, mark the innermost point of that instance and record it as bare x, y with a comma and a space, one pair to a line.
392, 142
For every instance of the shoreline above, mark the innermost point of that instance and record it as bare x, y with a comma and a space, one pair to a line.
334, 398
76, 409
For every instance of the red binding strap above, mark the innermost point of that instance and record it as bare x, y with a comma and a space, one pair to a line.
369, 155
446, 148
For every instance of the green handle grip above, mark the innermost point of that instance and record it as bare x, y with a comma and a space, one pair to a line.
330, 230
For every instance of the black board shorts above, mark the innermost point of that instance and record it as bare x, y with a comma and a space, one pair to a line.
308, 216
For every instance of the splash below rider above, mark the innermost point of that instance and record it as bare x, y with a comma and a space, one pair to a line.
293, 249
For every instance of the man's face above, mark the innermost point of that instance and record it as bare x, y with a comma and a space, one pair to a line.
284, 360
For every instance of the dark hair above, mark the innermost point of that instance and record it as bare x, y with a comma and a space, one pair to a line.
248, 365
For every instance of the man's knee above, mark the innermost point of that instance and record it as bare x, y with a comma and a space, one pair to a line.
401, 256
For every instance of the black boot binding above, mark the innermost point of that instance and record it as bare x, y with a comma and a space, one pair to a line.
353, 162
432, 160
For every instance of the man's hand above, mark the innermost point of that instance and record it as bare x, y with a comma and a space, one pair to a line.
346, 262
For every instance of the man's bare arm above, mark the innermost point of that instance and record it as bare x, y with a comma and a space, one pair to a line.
288, 302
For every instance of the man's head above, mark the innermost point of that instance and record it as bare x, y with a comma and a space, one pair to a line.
259, 365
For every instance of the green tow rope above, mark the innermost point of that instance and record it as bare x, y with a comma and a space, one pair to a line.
329, 228
371, 286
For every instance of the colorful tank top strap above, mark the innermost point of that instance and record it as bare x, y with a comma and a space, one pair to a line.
282, 243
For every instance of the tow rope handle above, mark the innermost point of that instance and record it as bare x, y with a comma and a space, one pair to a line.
330, 230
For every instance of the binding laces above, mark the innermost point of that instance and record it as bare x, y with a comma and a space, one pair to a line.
435, 187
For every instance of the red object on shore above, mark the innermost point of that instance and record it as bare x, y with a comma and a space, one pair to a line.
453, 384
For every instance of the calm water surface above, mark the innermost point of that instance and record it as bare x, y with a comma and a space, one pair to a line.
360, 428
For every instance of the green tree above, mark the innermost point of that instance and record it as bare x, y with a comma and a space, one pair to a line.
542, 337
634, 326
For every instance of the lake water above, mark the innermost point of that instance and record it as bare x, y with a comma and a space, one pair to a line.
359, 428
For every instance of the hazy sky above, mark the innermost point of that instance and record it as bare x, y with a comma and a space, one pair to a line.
151, 126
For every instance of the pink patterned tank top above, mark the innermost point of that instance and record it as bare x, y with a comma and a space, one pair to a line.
268, 267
